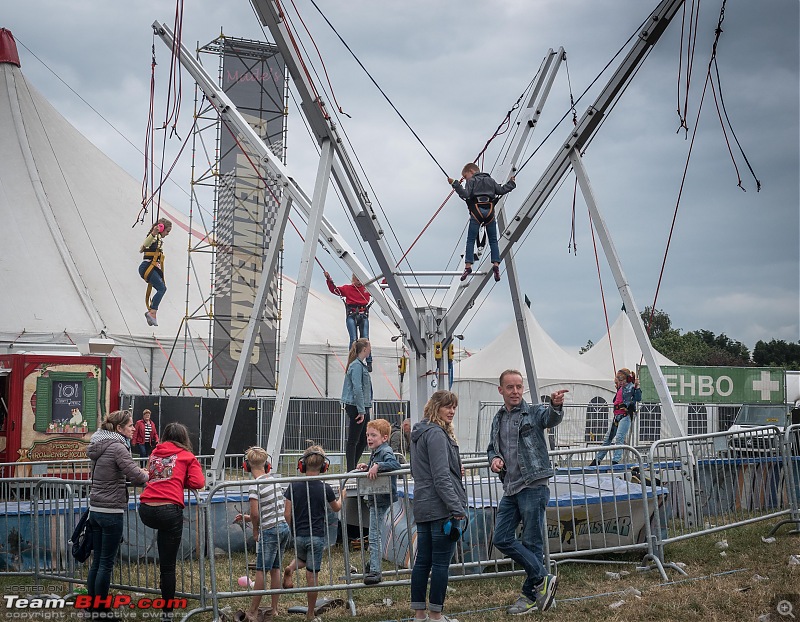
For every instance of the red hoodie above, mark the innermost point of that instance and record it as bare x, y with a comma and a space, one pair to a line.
172, 469
352, 295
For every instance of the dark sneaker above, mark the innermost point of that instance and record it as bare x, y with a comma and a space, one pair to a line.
546, 592
466, 273
522, 606
496, 270
372, 578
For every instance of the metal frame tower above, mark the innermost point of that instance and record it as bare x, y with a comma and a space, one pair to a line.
427, 330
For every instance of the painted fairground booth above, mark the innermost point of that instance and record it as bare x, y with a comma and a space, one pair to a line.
51, 405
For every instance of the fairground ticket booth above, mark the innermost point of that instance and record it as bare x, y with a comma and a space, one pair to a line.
50, 404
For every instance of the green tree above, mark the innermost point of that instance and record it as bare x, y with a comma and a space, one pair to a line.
589, 345
657, 325
777, 353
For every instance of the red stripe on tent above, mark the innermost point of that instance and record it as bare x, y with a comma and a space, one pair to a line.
171, 364
309, 376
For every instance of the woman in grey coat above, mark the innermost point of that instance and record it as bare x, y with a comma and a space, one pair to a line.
112, 465
440, 503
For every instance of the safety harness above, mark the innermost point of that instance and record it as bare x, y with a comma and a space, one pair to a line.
358, 309
481, 208
156, 257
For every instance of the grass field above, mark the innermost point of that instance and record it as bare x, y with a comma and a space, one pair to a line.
744, 584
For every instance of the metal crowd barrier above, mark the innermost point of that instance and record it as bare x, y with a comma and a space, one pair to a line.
721, 480
684, 488
791, 457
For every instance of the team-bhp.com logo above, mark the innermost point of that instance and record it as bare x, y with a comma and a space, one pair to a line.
115, 605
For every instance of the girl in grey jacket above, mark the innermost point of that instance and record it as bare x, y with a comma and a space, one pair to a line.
112, 465
440, 502
357, 400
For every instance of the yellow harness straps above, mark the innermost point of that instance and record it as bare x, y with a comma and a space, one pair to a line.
155, 258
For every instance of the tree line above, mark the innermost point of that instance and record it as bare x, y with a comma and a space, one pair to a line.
703, 347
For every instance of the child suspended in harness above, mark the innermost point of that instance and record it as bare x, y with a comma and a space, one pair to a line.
481, 194
152, 267
357, 302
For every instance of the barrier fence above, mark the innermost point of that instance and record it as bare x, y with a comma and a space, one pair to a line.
681, 488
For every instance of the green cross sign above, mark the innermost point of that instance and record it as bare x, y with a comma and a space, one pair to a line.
718, 385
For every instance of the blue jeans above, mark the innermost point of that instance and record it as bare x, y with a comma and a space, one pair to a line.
156, 280
270, 547
528, 506
167, 520
358, 327
309, 550
434, 552
106, 538
616, 435
472, 235
377, 513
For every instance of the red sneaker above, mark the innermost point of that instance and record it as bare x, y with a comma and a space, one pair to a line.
496, 270
466, 273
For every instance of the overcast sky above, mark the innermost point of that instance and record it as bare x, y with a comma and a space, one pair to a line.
453, 69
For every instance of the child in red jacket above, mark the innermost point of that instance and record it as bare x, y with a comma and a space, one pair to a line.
173, 468
357, 303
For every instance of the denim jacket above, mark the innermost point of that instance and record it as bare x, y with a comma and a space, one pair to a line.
533, 459
384, 457
357, 387
630, 395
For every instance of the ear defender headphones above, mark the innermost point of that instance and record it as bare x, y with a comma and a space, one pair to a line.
301, 464
246, 465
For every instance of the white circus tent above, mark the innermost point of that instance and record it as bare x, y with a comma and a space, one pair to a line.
69, 266
476, 378
620, 340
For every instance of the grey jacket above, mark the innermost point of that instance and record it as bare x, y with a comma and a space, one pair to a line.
112, 465
482, 184
534, 462
436, 468
357, 387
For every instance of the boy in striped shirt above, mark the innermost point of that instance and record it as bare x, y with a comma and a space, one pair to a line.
269, 529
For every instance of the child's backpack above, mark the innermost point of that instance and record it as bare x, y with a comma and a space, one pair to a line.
82, 540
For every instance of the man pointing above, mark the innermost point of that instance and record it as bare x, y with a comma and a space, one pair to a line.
518, 453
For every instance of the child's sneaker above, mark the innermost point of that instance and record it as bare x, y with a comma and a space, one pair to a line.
546, 592
496, 270
466, 273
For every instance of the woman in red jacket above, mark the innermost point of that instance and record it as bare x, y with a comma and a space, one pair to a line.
172, 468
145, 435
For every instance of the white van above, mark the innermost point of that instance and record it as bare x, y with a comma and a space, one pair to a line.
745, 440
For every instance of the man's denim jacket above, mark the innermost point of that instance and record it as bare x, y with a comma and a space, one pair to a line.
532, 455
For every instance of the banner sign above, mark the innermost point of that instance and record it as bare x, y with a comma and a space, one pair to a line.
253, 76
718, 385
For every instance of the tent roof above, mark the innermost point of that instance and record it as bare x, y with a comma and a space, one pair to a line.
70, 255
626, 349
552, 363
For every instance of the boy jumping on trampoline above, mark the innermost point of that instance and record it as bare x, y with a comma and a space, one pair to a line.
481, 195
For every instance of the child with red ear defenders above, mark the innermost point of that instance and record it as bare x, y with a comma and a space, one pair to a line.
270, 530
307, 513
152, 267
